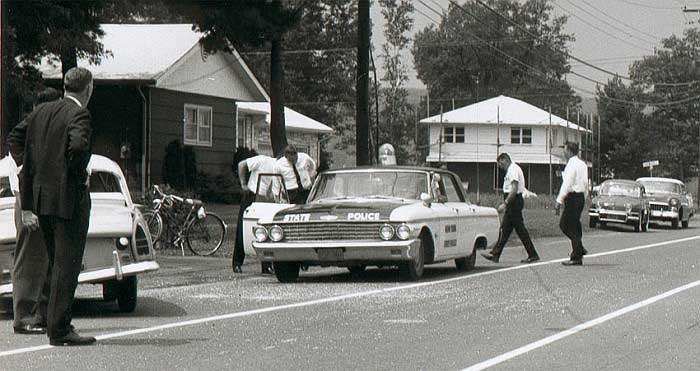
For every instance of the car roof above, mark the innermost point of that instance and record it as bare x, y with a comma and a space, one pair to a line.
659, 179
622, 181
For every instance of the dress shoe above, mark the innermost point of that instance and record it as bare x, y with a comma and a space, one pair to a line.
491, 257
237, 269
572, 262
531, 259
72, 338
585, 252
30, 330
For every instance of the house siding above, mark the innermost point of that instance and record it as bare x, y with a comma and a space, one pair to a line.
167, 114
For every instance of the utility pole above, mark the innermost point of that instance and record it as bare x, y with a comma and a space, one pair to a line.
696, 10
362, 156
549, 150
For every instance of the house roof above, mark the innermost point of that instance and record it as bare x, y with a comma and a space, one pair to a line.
292, 118
503, 110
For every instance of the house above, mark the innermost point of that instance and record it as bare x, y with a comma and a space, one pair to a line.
158, 87
469, 139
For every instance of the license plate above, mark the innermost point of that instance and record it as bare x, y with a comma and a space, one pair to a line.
655, 213
333, 254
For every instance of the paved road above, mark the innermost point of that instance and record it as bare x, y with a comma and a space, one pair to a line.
619, 311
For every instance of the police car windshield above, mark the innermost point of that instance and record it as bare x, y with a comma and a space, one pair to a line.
619, 189
371, 184
661, 187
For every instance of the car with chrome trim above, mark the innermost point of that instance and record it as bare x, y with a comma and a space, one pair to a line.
373, 216
118, 247
669, 201
620, 202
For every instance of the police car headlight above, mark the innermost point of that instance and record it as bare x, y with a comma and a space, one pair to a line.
403, 232
276, 233
260, 234
386, 232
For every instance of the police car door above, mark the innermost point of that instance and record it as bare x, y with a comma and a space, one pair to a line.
446, 218
459, 220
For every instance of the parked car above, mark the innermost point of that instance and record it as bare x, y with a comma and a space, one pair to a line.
385, 216
669, 201
620, 201
119, 245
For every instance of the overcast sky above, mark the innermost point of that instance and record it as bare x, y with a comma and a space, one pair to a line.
609, 33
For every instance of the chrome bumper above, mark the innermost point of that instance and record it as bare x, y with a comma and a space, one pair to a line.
317, 252
623, 217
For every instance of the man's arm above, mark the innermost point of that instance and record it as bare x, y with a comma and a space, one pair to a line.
243, 175
16, 141
566, 185
79, 134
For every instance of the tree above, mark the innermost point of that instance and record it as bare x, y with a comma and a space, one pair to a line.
472, 43
397, 115
226, 24
666, 130
320, 70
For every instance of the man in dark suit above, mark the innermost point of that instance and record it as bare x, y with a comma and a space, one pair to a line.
54, 145
30, 285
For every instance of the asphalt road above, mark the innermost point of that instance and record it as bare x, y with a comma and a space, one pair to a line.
632, 306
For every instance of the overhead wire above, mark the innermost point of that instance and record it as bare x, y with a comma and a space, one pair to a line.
613, 26
652, 37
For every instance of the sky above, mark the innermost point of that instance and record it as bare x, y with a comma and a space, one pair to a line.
610, 34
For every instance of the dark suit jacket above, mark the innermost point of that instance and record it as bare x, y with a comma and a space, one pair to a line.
53, 143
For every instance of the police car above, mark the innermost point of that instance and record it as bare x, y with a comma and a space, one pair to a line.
381, 215
118, 247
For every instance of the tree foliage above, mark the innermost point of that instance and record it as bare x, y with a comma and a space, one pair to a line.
467, 51
666, 131
397, 116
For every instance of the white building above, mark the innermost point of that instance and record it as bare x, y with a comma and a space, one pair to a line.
469, 139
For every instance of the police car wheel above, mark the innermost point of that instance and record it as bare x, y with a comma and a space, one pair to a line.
413, 270
356, 269
286, 272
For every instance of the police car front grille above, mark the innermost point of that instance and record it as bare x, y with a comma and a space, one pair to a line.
659, 207
331, 231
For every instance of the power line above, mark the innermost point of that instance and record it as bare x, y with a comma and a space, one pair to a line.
646, 6
608, 23
652, 37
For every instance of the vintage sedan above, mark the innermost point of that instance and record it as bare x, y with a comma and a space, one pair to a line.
119, 245
620, 201
385, 216
669, 200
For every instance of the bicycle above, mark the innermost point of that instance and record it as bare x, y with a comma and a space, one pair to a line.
203, 232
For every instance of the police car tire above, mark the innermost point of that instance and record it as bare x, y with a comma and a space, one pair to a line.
356, 269
286, 272
413, 270
467, 263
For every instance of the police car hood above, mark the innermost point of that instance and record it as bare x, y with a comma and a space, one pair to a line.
344, 210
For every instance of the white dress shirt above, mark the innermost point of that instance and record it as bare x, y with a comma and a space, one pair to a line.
257, 165
305, 166
575, 179
514, 173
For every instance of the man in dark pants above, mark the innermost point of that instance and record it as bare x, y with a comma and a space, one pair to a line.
30, 285
512, 208
572, 195
54, 145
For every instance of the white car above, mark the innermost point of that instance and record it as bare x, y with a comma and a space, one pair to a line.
119, 244
385, 216
669, 201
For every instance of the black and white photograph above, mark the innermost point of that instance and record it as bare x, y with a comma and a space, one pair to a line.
349, 184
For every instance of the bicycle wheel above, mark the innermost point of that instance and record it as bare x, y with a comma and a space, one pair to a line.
206, 235
155, 225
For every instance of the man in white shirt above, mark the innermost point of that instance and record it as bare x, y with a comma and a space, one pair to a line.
249, 171
512, 208
298, 170
572, 195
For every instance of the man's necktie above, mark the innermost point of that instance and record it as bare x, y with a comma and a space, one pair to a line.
296, 175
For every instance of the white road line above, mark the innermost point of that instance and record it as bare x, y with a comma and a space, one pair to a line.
584, 326
338, 298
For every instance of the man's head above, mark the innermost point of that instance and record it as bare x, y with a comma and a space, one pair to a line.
78, 83
47, 95
570, 150
290, 153
503, 161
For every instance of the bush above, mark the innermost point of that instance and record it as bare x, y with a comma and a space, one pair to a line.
179, 166
221, 188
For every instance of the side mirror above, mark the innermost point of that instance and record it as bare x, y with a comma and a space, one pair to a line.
426, 199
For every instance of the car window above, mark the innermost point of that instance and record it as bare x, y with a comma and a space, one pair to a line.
620, 189
104, 182
375, 184
451, 191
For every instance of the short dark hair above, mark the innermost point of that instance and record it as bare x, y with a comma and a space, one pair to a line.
76, 79
47, 95
503, 156
290, 149
571, 147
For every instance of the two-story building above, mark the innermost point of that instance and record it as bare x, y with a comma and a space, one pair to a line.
469, 139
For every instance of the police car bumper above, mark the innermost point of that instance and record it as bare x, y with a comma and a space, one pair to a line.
337, 252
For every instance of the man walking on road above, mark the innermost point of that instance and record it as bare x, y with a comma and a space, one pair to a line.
572, 195
249, 171
512, 208
54, 144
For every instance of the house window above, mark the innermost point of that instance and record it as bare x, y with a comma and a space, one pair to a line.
520, 135
197, 125
453, 134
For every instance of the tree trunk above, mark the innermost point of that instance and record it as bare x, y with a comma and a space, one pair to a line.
69, 59
362, 107
278, 132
